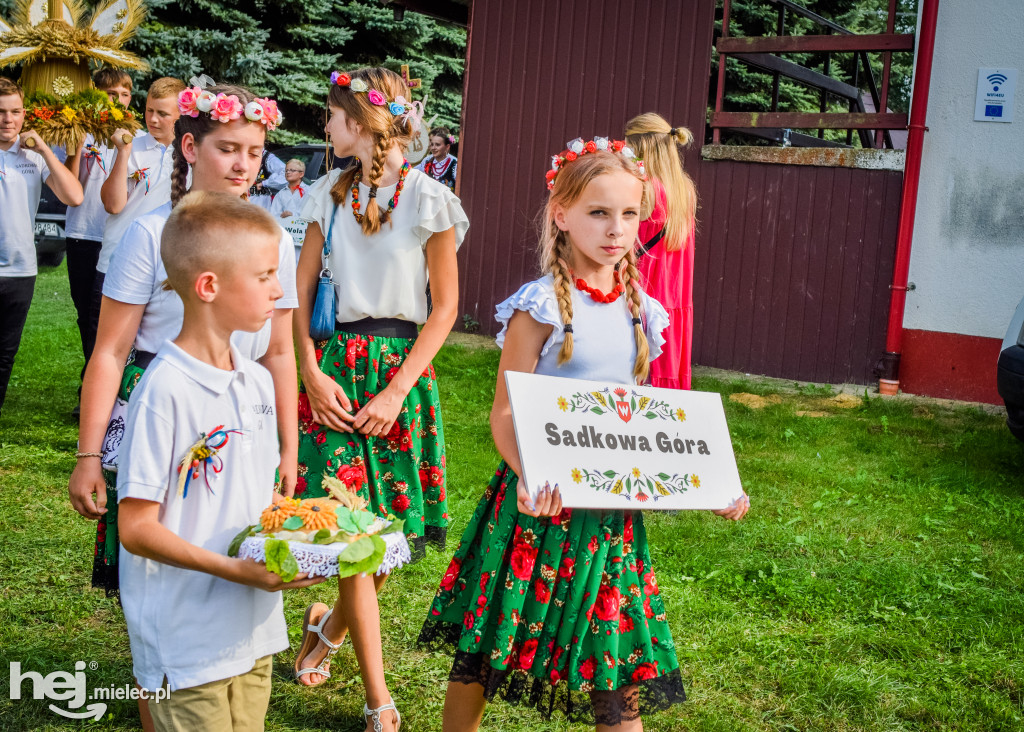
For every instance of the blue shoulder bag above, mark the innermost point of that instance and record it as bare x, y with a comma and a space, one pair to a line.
321, 320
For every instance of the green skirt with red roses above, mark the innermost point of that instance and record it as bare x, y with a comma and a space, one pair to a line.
107, 546
401, 473
559, 613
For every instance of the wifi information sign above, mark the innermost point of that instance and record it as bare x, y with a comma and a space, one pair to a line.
994, 102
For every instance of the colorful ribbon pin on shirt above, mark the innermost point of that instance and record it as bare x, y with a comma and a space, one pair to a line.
203, 454
140, 175
93, 153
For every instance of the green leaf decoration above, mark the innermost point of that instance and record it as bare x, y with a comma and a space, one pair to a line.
241, 536
597, 410
369, 564
664, 476
395, 526
323, 536
364, 520
609, 474
292, 523
347, 520
280, 560
357, 551
650, 415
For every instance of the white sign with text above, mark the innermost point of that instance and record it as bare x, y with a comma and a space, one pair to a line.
620, 446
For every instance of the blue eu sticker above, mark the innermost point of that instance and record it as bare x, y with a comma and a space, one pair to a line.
993, 110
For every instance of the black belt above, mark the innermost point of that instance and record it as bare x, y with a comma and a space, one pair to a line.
381, 327
141, 359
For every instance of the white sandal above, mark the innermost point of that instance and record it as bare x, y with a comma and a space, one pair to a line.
374, 715
332, 648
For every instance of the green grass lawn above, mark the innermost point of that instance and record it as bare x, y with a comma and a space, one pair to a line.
875, 585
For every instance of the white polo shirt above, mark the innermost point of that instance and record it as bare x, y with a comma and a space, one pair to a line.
88, 220
22, 173
189, 626
149, 174
137, 276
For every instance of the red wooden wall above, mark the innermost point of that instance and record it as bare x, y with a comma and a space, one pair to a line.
793, 263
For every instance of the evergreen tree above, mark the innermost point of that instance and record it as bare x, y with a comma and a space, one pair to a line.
287, 50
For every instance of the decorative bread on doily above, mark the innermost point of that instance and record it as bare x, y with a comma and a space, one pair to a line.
323, 536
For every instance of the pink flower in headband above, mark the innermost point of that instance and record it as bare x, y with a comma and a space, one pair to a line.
226, 107
272, 116
187, 101
376, 98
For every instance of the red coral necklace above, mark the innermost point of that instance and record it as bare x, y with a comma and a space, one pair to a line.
598, 296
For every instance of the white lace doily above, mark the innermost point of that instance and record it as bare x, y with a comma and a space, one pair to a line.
321, 560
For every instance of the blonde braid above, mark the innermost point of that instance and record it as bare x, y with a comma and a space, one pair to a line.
642, 366
373, 214
179, 173
563, 289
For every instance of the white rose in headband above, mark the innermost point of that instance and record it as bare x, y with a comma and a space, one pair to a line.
358, 85
628, 152
254, 111
576, 145
602, 143
205, 101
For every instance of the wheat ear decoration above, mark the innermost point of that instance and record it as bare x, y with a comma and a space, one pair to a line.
642, 366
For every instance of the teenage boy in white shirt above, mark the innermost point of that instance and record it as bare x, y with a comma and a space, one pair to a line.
140, 178
206, 636
288, 202
85, 223
22, 174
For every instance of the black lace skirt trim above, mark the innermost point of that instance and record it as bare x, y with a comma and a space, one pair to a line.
522, 688
435, 536
104, 577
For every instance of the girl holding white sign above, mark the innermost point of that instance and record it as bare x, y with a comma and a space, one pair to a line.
552, 608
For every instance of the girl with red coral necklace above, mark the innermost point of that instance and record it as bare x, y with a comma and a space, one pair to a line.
560, 609
368, 408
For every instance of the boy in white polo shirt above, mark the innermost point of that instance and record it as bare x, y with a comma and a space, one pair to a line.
85, 223
140, 177
22, 173
206, 635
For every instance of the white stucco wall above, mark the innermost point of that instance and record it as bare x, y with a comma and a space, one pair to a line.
967, 260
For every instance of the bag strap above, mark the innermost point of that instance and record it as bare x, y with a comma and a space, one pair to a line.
651, 243
326, 251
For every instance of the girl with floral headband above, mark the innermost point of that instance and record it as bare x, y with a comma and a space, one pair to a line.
369, 413
440, 164
220, 137
560, 609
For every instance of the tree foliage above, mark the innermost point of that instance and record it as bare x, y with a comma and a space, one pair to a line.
287, 49
749, 89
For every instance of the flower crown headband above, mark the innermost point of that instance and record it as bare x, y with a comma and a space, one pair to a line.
226, 107
578, 147
409, 110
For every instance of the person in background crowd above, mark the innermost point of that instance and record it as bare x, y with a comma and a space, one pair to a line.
440, 164
270, 180
84, 226
288, 202
22, 174
140, 178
